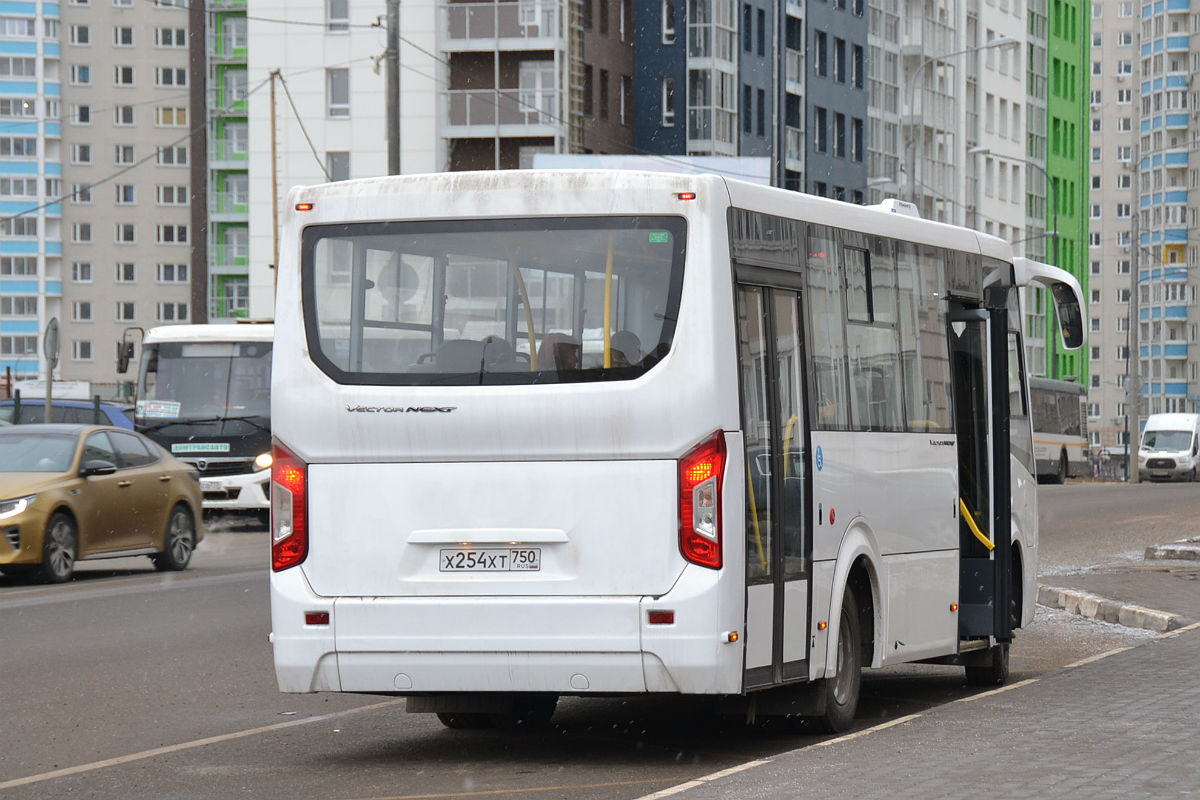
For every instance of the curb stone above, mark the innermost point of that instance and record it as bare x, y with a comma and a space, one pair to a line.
1185, 550
1100, 608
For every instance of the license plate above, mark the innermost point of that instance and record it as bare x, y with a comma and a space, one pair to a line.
509, 559
210, 484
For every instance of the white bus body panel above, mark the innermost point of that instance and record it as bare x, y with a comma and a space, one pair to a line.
585, 471
860, 482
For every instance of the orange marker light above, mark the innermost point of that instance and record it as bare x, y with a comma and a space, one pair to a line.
732, 637
954, 606
822, 625
304, 206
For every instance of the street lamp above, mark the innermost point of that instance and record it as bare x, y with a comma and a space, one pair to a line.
999, 41
1050, 182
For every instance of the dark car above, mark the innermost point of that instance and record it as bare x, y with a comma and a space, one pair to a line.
82, 412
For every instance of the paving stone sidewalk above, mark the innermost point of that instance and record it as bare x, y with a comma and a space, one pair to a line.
1122, 726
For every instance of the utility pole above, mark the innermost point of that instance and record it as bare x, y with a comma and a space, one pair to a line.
1133, 362
393, 86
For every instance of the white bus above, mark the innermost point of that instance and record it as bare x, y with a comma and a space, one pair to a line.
1060, 436
203, 393
591, 433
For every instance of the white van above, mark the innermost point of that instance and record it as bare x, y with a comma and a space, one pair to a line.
1170, 447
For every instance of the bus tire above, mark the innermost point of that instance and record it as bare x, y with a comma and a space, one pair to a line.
842, 690
994, 672
464, 720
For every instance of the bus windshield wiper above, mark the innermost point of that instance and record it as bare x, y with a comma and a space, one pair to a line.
185, 421
251, 419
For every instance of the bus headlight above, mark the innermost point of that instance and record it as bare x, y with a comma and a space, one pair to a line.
264, 461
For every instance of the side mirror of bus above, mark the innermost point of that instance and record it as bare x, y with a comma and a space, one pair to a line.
1070, 315
124, 356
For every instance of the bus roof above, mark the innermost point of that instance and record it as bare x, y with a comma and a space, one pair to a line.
217, 332
508, 193
1056, 385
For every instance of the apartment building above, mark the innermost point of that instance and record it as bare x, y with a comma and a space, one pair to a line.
31, 181
126, 221
1114, 132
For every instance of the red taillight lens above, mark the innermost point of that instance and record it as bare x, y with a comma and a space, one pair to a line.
289, 509
700, 474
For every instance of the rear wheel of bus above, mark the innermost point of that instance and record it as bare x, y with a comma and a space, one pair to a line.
842, 688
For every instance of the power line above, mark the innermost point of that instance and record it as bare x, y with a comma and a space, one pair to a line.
300, 120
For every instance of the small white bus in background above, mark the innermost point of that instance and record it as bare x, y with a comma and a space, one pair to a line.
1060, 436
203, 393
1170, 447
546, 433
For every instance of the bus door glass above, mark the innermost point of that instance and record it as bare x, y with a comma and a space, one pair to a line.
970, 366
773, 420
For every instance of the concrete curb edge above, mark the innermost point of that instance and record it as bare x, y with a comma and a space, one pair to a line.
1100, 608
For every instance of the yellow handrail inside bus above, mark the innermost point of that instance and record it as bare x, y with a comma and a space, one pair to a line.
966, 512
528, 309
787, 444
608, 268
762, 559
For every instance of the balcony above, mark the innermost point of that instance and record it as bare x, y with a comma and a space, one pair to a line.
794, 148
227, 154
228, 255
515, 112
486, 27
793, 61
228, 206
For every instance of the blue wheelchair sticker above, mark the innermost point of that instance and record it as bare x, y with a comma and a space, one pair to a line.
820, 458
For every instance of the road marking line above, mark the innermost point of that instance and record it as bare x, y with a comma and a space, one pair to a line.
517, 790
697, 782
998, 690
175, 748
1184, 629
1096, 657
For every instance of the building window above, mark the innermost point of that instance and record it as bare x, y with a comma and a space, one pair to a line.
668, 102
337, 16
171, 156
747, 28
857, 143
125, 312
603, 94
668, 25
123, 154
81, 350
170, 76
171, 312
588, 90
171, 234
761, 113
820, 54
20, 306
18, 346
170, 37
126, 273
125, 233
122, 36
81, 311
81, 272
126, 194
19, 226
170, 116
123, 115
81, 194
123, 76
171, 273
18, 265
820, 123
747, 108
337, 92
81, 75
337, 164
839, 135
170, 195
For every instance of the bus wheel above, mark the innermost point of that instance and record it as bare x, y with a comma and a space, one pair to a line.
464, 720
841, 691
995, 672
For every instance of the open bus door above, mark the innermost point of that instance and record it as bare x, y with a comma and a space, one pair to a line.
979, 362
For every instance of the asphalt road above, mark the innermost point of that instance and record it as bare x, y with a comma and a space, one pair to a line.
128, 680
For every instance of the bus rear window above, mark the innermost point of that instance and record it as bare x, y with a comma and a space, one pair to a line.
492, 301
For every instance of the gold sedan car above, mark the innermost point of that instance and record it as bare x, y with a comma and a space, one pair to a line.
76, 492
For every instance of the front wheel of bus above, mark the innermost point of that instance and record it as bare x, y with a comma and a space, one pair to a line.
841, 690
995, 672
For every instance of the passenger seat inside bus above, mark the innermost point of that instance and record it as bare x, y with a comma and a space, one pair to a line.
559, 352
492, 354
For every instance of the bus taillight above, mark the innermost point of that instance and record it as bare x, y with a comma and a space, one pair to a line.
289, 506
700, 475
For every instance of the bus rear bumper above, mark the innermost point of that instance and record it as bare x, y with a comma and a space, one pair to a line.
561, 645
